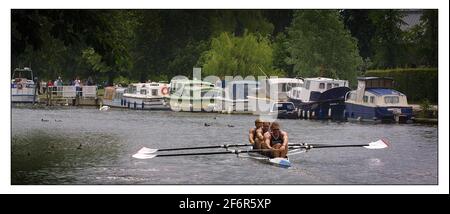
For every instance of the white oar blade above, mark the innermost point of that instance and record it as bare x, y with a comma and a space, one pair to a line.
146, 150
379, 144
143, 156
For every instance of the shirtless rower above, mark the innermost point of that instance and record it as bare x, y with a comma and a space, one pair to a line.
276, 140
255, 136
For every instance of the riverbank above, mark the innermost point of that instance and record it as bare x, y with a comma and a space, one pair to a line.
429, 117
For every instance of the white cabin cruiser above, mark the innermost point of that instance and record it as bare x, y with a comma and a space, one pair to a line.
23, 87
147, 96
273, 93
236, 96
195, 95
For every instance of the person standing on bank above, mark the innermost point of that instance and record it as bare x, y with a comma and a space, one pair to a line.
277, 141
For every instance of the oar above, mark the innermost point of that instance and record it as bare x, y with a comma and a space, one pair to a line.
139, 155
146, 150
379, 144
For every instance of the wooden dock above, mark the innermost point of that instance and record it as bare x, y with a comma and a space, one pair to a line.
68, 95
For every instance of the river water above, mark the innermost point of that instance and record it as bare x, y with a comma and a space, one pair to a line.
82, 145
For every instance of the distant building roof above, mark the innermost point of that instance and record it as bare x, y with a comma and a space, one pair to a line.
411, 18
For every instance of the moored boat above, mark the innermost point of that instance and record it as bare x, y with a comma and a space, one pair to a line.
147, 96
376, 100
114, 97
235, 96
280, 110
195, 96
320, 98
271, 98
23, 87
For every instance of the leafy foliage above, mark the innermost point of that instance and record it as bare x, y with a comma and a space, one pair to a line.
138, 45
232, 56
319, 45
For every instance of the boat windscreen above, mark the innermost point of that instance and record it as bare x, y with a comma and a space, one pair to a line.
284, 107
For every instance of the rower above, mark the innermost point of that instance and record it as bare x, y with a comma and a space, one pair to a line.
276, 140
255, 136
259, 141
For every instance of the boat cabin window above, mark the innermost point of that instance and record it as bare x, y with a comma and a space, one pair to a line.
296, 94
143, 91
391, 99
351, 96
329, 86
154, 92
288, 86
322, 85
132, 89
308, 83
283, 106
365, 99
372, 98
118, 95
336, 85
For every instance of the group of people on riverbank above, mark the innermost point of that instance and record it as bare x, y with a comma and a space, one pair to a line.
51, 85
270, 138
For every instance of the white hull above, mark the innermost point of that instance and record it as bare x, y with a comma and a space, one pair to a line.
23, 98
113, 103
146, 103
192, 105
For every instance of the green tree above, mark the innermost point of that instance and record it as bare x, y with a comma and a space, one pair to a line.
239, 21
429, 41
61, 35
362, 28
388, 41
280, 54
232, 56
320, 45
167, 40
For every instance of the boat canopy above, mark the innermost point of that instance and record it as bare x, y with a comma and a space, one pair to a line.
23, 73
383, 91
376, 82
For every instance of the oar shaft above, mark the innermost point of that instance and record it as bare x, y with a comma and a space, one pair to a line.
185, 148
310, 146
333, 146
198, 153
213, 153
204, 147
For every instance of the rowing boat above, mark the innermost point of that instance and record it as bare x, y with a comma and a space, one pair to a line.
280, 162
148, 153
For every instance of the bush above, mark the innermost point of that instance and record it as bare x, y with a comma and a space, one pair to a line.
417, 83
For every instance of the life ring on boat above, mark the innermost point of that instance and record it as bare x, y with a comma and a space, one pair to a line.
164, 90
19, 86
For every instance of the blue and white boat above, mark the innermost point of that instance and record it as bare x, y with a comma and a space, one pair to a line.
23, 87
320, 98
376, 100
